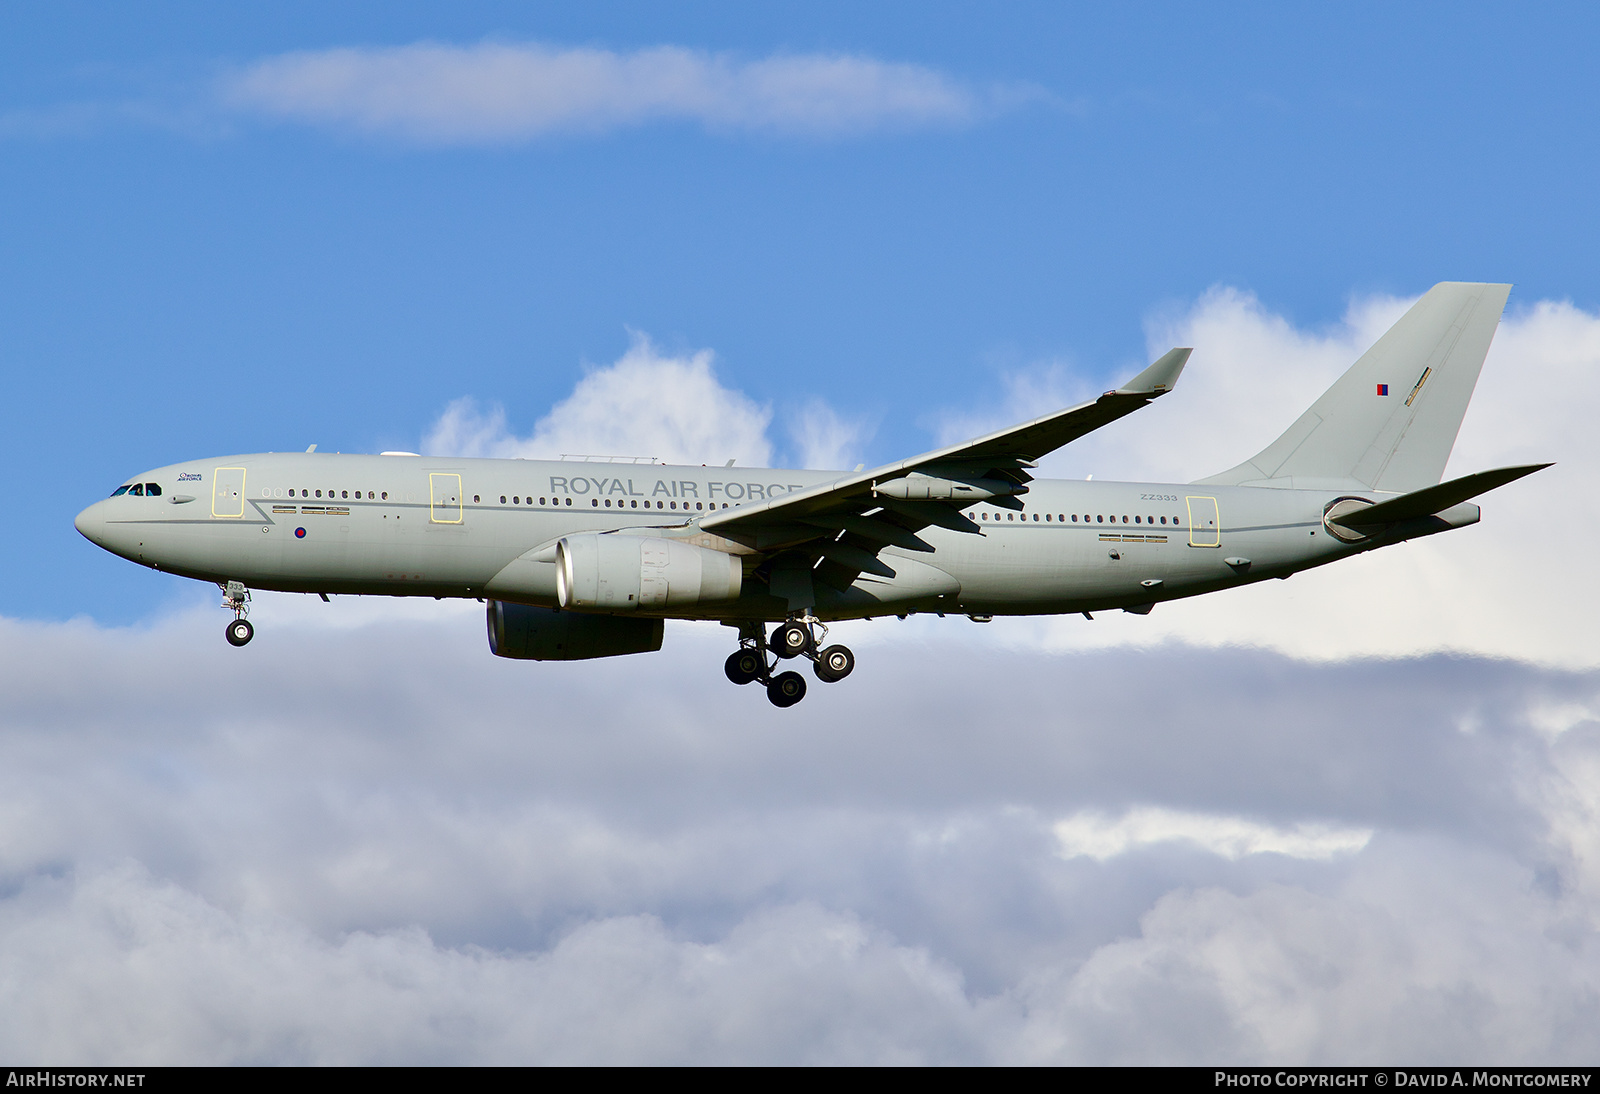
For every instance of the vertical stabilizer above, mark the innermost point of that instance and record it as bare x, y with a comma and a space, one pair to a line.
1389, 422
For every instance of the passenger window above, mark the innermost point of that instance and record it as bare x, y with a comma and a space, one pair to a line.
121, 490
502, 499
1036, 516
137, 490
608, 503
343, 494
319, 493
673, 504
569, 501
1136, 520
475, 498
386, 495
1163, 520
541, 501
516, 499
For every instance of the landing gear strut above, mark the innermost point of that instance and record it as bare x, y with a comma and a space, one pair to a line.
794, 638
237, 598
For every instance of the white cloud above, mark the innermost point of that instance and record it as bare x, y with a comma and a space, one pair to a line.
384, 845
163, 976
1404, 960
826, 440
1101, 837
646, 405
497, 92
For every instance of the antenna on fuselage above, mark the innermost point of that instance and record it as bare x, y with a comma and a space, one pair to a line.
313, 448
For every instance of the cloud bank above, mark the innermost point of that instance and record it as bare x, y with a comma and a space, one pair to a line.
495, 93
381, 844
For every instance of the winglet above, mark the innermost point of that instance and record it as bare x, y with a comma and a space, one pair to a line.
1160, 377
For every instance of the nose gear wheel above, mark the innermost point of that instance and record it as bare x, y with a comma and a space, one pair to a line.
236, 598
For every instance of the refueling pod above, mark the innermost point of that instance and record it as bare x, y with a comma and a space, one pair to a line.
529, 633
616, 573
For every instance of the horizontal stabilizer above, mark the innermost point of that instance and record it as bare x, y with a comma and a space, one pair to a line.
1436, 499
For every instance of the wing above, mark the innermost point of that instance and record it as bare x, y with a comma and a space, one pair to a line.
846, 522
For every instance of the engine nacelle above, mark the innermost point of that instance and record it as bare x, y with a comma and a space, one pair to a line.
918, 487
528, 633
626, 573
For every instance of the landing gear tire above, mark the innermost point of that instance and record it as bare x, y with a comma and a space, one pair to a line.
791, 640
834, 664
786, 689
240, 632
745, 666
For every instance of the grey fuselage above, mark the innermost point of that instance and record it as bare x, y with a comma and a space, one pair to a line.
423, 526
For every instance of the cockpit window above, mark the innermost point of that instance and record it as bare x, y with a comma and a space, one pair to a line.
152, 490
121, 490
137, 490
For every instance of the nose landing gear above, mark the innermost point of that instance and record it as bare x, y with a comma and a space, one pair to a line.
236, 598
797, 637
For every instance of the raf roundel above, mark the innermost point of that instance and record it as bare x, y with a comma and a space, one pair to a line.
299, 533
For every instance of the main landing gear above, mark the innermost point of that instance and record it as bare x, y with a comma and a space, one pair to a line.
237, 598
795, 638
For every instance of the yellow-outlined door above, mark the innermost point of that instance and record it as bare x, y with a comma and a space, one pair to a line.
1205, 527
227, 492
444, 497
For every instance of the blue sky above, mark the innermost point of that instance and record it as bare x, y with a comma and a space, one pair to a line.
819, 234
181, 276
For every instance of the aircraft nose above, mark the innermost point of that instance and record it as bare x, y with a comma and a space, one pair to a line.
91, 523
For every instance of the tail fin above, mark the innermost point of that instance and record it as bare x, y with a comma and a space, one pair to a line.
1389, 422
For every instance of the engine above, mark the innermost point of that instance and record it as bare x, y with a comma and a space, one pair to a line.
528, 633
626, 573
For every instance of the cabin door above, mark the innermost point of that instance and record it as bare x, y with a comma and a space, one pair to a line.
227, 492
444, 498
1205, 527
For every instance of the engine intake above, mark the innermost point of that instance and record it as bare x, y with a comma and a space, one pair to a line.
627, 573
528, 633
